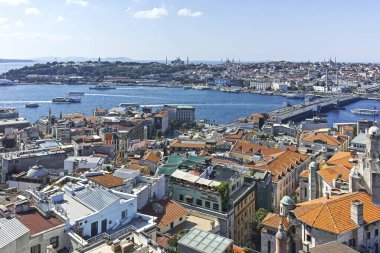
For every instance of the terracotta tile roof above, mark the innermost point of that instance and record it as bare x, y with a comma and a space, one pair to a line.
219, 160
107, 180
163, 241
143, 169
172, 211
36, 223
248, 148
161, 114
235, 136
334, 214
323, 137
273, 220
342, 158
281, 164
348, 128
329, 173
151, 156
178, 144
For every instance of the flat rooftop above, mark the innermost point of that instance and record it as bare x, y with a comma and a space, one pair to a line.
36, 223
222, 173
74, 209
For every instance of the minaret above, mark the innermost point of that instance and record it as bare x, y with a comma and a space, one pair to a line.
49, 122
281, 239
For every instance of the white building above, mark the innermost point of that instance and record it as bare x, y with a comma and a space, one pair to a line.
90, 212
91, 163
283, 87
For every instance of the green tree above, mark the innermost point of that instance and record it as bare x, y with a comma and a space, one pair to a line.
256, 225
224, 191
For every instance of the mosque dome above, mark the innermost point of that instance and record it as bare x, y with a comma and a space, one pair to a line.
36, 172
373, 130
287, 201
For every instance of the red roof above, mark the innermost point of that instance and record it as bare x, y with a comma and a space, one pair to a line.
36, 223
172, 211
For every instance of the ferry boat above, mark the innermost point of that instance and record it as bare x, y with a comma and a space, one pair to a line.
201, 88
66, 100
76, 93
365, 111
32, 105
102, 86
6, 82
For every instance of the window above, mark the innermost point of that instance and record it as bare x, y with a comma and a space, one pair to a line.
35, 249
207, 204
308, 238
368, 235
171, 225
215, 206
181, 197
269, 247
199, 202
180, 218
54, 242
189, 200
376, 232
124, 214
351, 243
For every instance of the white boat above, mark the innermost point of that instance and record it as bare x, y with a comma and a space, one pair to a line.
66, 100
76, 93
6, 82
201, 88
365, 111
102, 86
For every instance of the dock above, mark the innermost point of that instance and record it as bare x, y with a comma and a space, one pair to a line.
308, 109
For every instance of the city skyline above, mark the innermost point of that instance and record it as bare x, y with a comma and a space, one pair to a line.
152, 30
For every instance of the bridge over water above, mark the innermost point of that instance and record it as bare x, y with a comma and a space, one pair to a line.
308, 109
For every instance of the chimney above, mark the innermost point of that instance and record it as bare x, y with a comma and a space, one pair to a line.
357, 212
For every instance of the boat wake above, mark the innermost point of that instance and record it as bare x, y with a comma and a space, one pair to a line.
117, 95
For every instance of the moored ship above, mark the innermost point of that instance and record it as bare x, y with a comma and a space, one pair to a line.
102, 86
365, 111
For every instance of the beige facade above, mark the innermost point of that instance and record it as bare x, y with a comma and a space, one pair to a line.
243, 213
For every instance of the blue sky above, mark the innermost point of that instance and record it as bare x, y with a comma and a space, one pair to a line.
254, 30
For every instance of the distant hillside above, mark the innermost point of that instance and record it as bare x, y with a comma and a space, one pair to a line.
14, 60
82, 59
